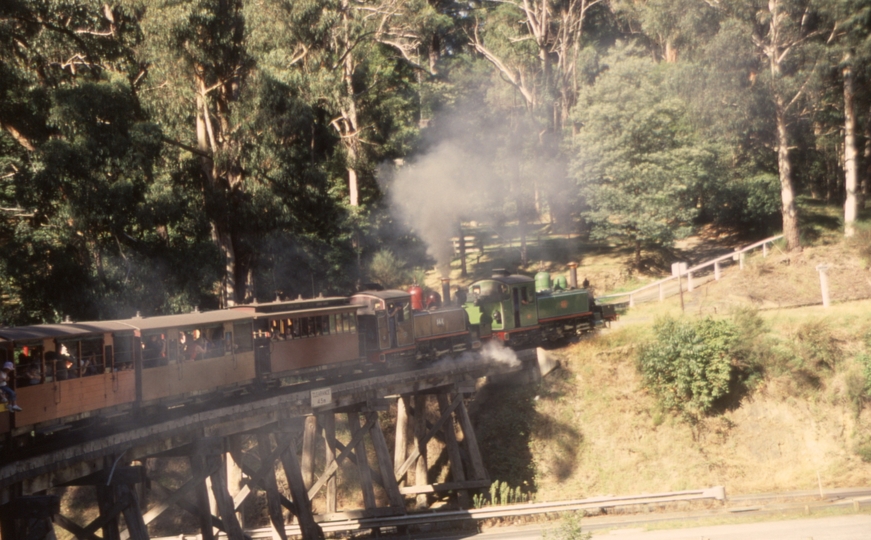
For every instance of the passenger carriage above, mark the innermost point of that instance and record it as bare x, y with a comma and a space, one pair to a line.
182, 356
303, 336
50, 392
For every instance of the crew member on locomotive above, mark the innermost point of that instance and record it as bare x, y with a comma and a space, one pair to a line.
8, 393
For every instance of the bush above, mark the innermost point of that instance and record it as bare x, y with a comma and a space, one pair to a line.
752, 202
689, 365
753, 346
387, 269
865, 361
569, 529
864, 452
817, 346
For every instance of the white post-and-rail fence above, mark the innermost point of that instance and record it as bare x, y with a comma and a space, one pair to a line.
736, 256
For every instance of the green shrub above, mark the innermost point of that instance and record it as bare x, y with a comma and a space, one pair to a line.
689, 365
500, 494
753, 348
387, 269
569, 529
817, 346
865, 360
864, 452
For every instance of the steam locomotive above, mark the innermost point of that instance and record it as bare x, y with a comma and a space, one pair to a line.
72, 374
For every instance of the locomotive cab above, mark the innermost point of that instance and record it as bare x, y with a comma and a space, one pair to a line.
504, 306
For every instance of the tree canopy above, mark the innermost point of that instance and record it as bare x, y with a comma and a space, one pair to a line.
160, 155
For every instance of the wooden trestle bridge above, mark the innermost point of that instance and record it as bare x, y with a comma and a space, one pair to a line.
115, 462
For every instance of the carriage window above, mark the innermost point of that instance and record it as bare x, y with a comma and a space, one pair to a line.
28, 367
244, 341
201, 342
123, 352
80, 358
491, 290
154, 350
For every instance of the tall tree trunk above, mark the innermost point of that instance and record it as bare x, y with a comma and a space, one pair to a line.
865, 180
638, 254
349, 111
787, 190
775, 50
462, 249
851, 170
207, 142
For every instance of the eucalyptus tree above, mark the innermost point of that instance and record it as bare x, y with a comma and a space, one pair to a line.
637, 158
199, 71
786, 36
670, 29
77, 159
849, 45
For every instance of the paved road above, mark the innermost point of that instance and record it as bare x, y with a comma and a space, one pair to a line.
850, 527
854, 527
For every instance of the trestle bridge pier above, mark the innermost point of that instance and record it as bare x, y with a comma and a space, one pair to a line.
224, 472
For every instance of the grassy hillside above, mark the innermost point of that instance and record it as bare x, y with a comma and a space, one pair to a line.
803, 417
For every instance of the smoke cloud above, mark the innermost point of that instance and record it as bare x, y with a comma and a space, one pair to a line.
435, 191
492, 351
480, 164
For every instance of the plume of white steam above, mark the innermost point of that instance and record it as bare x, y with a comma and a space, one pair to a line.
433, 192
492, 351
476, 167
495, 351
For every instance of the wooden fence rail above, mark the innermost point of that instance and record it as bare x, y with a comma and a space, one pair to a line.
737, 256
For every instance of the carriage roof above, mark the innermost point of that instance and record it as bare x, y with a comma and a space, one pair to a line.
61, 331
187, 319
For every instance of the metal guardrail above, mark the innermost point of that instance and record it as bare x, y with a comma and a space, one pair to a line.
737, 255
490, 512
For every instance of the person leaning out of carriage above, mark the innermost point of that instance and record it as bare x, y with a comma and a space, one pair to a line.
7, 393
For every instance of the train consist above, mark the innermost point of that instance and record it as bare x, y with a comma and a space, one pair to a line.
74, 374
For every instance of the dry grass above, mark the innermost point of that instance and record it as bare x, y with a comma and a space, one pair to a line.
780, 437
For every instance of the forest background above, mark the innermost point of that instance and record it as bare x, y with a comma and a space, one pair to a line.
157, 155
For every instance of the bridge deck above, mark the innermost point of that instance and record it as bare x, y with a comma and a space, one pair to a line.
34, 473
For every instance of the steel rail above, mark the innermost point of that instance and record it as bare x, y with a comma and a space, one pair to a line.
490, 512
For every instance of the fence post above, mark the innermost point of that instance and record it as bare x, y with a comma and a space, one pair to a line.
824, 283
741, 261
689, 282
661, 292
764, 250
717, 271
631, 300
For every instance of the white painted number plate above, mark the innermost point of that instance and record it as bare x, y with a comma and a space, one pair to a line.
321, 397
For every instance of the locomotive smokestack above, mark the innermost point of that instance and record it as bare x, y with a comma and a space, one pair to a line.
573, 275
446, 290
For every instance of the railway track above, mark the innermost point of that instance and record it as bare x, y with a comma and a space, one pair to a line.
634, 511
